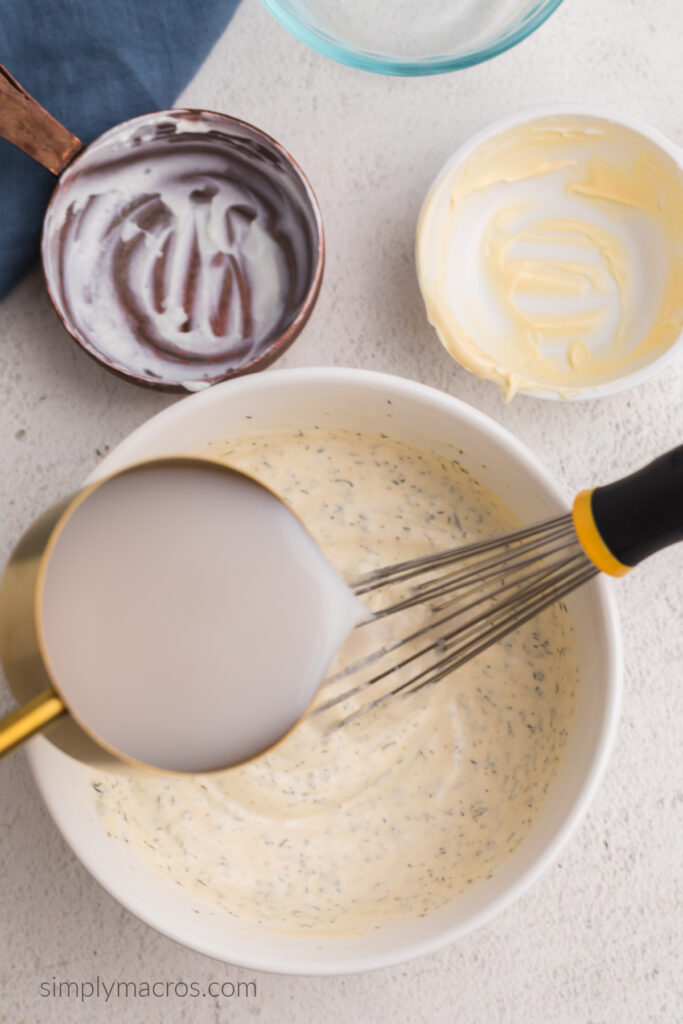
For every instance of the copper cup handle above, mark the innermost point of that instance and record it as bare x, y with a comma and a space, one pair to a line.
30, 128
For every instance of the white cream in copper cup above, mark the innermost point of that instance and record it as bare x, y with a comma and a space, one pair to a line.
550, 253
367, 402
180, 248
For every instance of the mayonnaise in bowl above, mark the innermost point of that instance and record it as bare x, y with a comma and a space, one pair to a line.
550, 254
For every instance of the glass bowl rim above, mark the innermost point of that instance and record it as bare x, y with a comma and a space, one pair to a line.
401, 66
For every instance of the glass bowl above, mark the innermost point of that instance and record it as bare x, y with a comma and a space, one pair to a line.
401, 37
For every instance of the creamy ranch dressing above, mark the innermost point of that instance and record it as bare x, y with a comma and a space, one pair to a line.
407, 807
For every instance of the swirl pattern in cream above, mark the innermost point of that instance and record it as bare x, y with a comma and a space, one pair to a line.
180, 249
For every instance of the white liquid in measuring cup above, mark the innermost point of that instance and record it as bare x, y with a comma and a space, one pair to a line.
187, 616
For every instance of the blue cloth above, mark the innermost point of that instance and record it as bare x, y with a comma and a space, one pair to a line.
91, 64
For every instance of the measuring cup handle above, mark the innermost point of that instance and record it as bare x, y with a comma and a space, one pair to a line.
29, 719
30, 128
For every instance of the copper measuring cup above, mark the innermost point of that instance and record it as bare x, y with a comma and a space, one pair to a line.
170, 295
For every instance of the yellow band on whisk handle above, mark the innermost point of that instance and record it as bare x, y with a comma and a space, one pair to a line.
590, 539
620, 524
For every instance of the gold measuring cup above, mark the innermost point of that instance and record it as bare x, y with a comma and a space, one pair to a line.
22, 649
156, 707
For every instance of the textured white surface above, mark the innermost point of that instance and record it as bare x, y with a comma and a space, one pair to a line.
599, 940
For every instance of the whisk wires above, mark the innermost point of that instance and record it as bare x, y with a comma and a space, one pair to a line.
473, 596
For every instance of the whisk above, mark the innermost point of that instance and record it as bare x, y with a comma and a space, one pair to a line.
475, 595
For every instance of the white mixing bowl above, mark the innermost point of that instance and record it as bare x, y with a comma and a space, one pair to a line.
366, 402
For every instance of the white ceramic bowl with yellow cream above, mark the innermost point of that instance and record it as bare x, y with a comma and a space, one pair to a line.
550, 253
364, 402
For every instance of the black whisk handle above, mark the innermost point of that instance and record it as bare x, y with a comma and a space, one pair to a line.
622, 523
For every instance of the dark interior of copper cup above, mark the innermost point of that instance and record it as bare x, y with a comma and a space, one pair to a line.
182, 248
